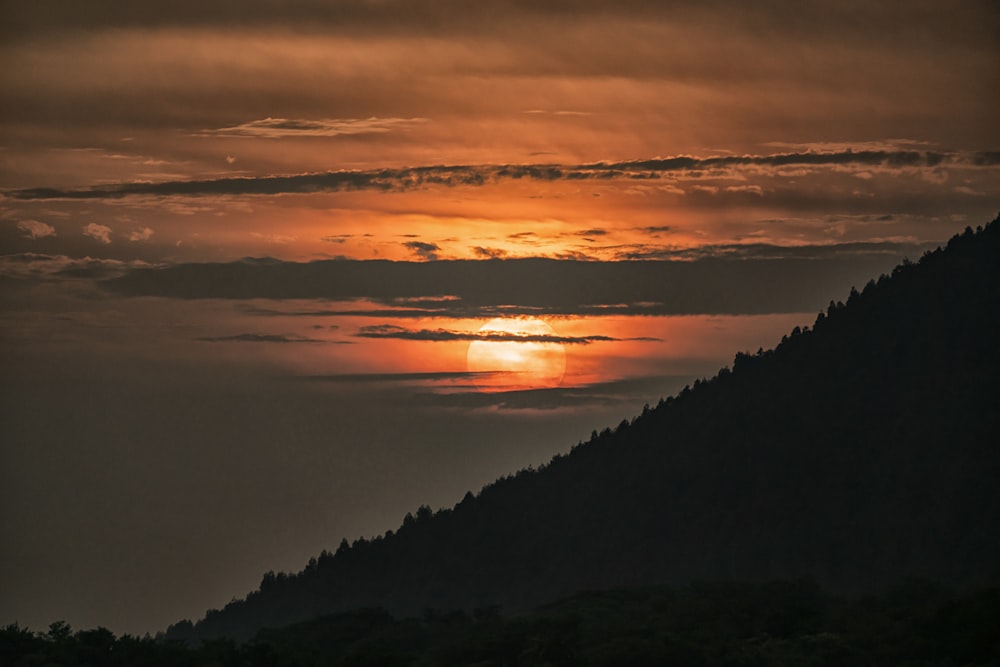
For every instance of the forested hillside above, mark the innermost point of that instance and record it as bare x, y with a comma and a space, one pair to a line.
709, 625
856, 453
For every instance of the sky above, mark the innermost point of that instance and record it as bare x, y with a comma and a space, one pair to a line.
273, 274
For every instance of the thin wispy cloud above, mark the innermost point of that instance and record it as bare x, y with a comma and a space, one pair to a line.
260, 338
763, 251
42, 266
559, 112
432, 376
277, 128
613, 392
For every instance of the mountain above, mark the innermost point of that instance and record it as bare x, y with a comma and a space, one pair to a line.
708, 625
856, 453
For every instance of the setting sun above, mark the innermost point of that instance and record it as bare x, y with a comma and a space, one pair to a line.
532, 358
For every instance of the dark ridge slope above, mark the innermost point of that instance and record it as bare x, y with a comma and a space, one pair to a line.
856, 453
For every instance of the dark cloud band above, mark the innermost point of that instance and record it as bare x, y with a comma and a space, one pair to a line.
440, 335
474, 175
491, 288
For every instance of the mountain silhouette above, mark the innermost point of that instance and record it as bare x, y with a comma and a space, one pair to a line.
856, 453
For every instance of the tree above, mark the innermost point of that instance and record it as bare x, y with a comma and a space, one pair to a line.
59, 631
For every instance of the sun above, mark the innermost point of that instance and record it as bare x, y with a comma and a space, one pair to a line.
508, 364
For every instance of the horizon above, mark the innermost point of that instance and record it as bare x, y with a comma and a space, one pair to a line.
276, 278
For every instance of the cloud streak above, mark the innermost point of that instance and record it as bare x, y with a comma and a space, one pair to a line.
278, 128
433, 376
38, 266
614, 392
408, 178
444, 335
260, 338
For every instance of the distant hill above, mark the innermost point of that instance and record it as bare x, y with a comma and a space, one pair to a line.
708, 625
855, 454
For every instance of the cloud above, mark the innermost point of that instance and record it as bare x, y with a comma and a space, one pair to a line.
864, 157
576, 256
770, 252
435, 376
276, 128
748, 189
277, 239
408, 178
425, 250
40, 266
386, 17
489, 253
33, 229
558, 113
454, 390
434, 310
260, 338
98, 232
441, 17
441, 335
143, 234
750, 279
986, 158
629, 391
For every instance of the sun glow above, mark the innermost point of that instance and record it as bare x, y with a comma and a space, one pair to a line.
507, 365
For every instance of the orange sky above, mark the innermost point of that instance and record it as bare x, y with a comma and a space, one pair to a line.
196, 95
666, 183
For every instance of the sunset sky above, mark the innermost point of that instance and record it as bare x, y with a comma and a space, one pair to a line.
247, 247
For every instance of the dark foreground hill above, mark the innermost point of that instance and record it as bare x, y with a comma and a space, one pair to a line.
718, 625
855, 454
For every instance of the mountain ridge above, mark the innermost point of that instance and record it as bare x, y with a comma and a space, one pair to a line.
855, 453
